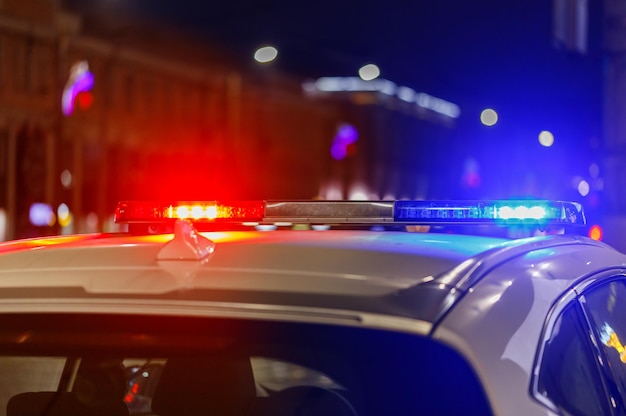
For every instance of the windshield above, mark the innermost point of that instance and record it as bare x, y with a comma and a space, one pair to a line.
120, 365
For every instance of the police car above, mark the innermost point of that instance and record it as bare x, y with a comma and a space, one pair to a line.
317, 308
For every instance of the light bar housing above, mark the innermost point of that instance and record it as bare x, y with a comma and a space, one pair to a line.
414, 212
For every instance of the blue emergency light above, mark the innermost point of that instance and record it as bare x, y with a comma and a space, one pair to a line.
417, 212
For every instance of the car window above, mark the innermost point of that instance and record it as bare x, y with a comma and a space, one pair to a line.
568, 376
217, 366
271, 377
607, 309
17, 375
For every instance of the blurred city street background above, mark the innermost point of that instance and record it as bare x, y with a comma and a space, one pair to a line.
106, 100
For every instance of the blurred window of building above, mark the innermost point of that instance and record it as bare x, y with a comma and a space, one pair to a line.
100, 89
4, 167
117, 93
42, 76
168, 96
17, 56
29, 64
177, 102
129, 92
159, 105
193, 100
3, 62
570, 25
35, 11
147, 96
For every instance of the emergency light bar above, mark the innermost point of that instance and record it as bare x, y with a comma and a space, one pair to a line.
355, 212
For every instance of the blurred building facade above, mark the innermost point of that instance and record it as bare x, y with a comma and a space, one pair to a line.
167, 118
164, 119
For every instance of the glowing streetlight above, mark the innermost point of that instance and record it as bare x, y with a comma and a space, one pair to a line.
489, 117
546, 138
369, 72
265, 54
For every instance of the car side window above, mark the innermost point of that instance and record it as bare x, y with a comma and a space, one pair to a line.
568, 376
607, 306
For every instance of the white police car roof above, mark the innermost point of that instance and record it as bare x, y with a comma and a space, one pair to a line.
306, 272
401, 281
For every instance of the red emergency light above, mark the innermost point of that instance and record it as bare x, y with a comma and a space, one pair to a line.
208, 211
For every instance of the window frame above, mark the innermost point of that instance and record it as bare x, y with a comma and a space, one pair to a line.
575, 297
608, 378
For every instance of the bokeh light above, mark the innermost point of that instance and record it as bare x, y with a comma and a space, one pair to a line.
595, 233
332, 191
583, 188
40, 214
66, 178
265, 54
344, 142
81, 79
64, 215
369, 72
360, 192
489, 117
546, 138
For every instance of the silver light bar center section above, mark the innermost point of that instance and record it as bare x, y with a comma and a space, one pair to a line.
330, 211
